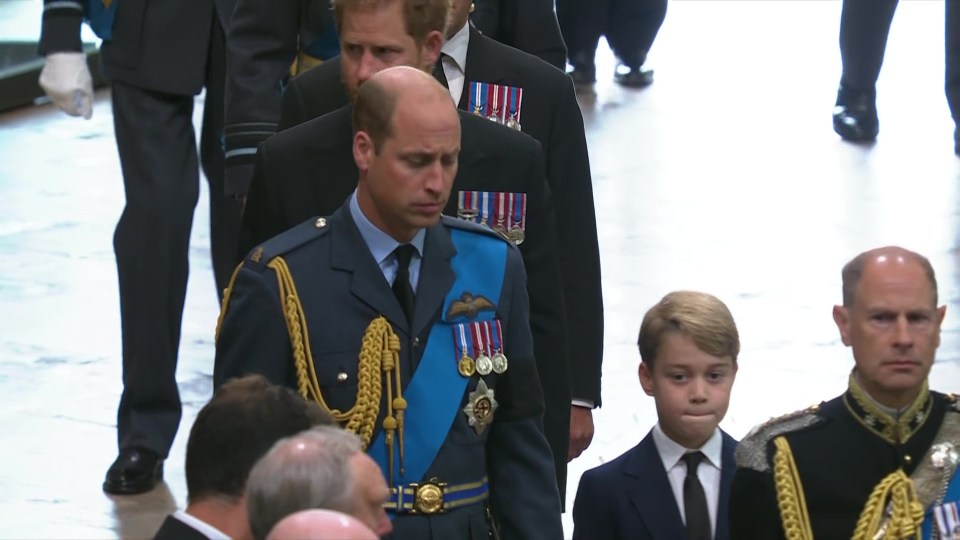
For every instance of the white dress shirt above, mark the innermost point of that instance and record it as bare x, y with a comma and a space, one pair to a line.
708, 472
454, 61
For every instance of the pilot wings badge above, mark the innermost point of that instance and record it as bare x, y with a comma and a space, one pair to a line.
469, 306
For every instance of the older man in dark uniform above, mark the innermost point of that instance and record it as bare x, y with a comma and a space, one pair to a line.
864, 26
401, 324
157, 56
879, 461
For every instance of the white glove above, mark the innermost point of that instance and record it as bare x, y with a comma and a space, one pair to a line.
66, 79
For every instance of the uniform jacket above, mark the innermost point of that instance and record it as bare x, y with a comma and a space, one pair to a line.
342, 289
309, 170
630, 497
840, 461
156, 45
263, 41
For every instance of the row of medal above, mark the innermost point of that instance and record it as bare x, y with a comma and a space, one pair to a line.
497, 102
504, 212
478, 348
948, 521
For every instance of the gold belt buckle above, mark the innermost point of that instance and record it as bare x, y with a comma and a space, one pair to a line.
428, 497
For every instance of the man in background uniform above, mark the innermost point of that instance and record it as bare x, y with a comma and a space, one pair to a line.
864, 26
157, 56
879, 461
630, 27
267, 43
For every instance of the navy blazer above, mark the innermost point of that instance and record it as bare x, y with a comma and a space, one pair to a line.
630, 497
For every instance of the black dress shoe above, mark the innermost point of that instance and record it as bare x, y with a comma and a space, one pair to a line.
136, 470
584, 70
855, 115
633, 77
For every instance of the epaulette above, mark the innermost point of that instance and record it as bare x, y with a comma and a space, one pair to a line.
465, 225
953, 402
751, 453
286, 241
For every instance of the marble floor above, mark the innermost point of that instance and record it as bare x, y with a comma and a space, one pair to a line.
723, 176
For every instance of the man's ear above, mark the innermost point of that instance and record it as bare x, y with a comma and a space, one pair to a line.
646, 378
841, 316
362, 150
430, 51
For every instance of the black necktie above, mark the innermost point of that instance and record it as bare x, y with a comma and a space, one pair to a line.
695, 501
401, 284
438, 72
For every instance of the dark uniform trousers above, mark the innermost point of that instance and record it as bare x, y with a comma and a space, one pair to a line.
864, 27
153, 122
630, 27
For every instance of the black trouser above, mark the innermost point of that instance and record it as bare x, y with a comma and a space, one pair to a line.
629, 25
864, 27
158, 157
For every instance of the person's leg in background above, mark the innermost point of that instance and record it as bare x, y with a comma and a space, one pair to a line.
582, 22
632, 29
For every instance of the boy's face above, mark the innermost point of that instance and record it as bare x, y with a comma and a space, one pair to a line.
690, 387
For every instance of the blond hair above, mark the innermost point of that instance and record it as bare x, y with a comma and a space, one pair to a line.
699, 316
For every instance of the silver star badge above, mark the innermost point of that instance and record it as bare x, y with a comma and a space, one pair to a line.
480, 407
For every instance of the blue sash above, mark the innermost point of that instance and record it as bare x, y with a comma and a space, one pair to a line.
953, 495
435, 391
100, 18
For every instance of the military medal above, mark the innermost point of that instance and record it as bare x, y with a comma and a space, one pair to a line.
484, 364
494, 109
467, 205
517, 218
480, 407
499, 218
516, 95
464, 361
478, 105
499, 359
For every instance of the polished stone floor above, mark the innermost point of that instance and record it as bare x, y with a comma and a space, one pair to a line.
724, 176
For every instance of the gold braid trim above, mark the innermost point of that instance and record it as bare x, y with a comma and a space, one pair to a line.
379, 342
790, 499
226, 300
892, 511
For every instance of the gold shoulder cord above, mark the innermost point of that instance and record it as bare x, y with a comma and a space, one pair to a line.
790, 499
225, 302
894, 498
379, 356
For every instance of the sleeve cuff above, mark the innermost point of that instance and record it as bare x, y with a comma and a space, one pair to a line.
585, 403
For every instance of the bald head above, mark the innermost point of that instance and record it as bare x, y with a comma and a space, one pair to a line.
883, 257
397, 87
320, 525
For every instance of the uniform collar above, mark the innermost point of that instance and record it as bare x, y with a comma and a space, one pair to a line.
380, 243
895, 427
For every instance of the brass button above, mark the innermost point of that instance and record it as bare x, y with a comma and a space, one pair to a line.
907, 459
321, 223
342, 377
416, 342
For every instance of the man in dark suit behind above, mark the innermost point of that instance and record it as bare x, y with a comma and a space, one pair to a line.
528, 25
232, 431
551, 115
676, 483
157, 56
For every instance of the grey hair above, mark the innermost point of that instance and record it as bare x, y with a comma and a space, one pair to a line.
308, 470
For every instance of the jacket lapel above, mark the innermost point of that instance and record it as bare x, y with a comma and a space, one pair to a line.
436, 277
480, 67
651, 493
348, 253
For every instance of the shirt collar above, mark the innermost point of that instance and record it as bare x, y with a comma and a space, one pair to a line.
381, 244
456, 47
671, 453
205, 528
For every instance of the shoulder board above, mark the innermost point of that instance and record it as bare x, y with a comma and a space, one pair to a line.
953, 402
286, 241
751, 453
470, 226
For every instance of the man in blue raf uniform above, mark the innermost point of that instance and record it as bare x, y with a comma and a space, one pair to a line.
879, 461
412, 331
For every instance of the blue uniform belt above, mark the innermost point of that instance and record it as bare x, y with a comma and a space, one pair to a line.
434, 497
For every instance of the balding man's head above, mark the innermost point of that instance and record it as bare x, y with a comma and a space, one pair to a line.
887, 255
320, 525
406, 146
